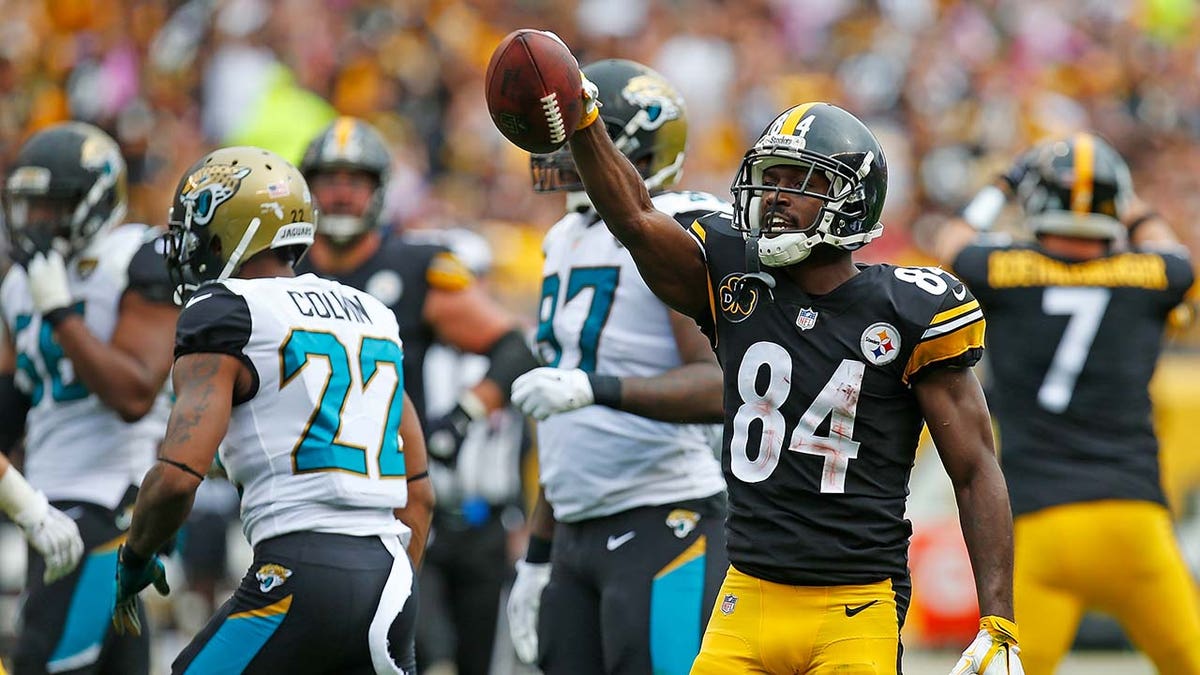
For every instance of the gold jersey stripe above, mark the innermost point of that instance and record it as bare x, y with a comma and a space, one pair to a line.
447, 273
794, 117
280, 607
945, 347
951, 313
1085, 165
689, 554
699, 231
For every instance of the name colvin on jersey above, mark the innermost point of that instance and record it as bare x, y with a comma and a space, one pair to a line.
330, 305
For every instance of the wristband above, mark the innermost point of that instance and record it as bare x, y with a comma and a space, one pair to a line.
132, 560
983, 209
1141, 220
56, 316
539, 550
606, 390
999, 628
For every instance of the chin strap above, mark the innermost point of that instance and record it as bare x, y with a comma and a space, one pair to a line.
754, 271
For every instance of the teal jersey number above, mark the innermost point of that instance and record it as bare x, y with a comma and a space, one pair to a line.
54, 361
603, 282
319, 448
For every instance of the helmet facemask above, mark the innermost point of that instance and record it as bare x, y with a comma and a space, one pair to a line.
67, 187
840, 222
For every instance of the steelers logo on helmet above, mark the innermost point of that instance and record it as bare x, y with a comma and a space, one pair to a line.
737, 302
880, 343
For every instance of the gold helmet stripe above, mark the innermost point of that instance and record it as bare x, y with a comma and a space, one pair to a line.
1085, 165
794, 117
341, 132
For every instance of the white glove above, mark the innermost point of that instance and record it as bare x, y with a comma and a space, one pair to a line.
524, 600
543, 392
48, 283
53, 534
994, 651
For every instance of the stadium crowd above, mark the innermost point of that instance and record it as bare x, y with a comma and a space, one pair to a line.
954, 89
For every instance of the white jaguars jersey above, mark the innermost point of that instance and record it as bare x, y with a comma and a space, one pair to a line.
316, 447
597, 314
77, 448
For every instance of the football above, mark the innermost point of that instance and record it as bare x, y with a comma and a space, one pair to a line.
533, 90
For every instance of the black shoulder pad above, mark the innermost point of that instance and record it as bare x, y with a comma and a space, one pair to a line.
148, 273
214, 320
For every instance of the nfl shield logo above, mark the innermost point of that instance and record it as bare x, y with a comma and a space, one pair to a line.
728, 603
807, 318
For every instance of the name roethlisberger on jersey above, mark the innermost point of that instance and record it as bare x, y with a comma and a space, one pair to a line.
330, 305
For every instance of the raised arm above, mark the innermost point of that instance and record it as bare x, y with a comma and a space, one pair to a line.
666, 256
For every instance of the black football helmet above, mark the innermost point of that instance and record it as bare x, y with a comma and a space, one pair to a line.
350, 143
66, 185
643, 114
1077, 186
817, 137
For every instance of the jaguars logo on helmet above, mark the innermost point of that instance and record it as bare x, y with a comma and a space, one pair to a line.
643, 114
1077, 186
66, 185
232, 205
821, 138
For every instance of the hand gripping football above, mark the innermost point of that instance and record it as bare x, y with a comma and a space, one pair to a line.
533, 90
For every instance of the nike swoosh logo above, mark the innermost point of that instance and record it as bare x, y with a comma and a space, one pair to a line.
196, 299
851, 611
615, 543
960, 292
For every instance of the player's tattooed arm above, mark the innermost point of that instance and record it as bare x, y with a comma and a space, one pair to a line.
204, 386
690, 393
956, 413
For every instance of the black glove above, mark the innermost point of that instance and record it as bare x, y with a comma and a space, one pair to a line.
445, 435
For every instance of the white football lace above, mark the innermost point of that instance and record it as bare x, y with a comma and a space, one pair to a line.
554, 118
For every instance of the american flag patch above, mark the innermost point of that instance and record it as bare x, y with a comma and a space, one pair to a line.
278, 189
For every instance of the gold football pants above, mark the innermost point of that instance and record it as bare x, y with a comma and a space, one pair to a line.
1117, 557
762, 627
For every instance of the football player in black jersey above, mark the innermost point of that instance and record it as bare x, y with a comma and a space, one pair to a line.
1077, 319
831, 369
432, 293
435, 298
84, 352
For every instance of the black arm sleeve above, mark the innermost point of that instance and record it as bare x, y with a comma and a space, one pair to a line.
148, 274
14, 406
509, 359
216, 320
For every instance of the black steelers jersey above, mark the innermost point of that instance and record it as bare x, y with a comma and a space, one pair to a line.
1073, 347
400, 275
821, 423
